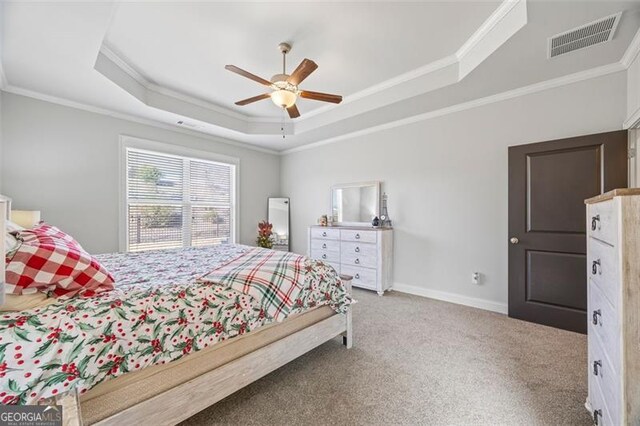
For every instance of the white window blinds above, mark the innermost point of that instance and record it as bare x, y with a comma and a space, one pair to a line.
175, 201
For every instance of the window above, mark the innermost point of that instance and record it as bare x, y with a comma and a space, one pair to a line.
174, 201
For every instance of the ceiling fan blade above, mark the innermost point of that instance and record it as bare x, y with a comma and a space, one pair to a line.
324, 97
306, 67
254, 99
247, 74
293, 111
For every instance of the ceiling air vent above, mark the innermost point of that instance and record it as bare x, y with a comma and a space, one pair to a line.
188, 124
587, 35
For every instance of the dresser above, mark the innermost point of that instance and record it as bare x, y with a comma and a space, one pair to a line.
365, 253
613, 307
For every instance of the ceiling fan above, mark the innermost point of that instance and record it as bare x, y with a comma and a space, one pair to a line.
285, 87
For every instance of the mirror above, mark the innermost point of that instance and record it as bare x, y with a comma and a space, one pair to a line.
356, 203
278, 216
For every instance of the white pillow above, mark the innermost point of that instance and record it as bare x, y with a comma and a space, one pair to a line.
13, 227
10, 243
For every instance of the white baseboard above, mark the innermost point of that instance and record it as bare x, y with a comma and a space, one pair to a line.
487, 305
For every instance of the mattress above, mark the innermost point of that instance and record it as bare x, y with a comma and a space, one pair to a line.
125, 391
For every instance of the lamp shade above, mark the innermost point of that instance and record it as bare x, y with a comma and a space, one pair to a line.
26, 218
283, 98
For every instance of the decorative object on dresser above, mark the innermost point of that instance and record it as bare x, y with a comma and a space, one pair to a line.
278, 216
384, 214
365, 253
613, 263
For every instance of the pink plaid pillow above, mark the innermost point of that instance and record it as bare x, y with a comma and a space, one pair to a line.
50, 260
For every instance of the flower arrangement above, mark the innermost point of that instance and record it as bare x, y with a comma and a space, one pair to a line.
264, 234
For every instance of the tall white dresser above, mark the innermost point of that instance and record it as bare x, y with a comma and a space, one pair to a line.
613, 262
365, 253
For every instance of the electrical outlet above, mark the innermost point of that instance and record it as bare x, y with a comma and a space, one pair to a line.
475, 278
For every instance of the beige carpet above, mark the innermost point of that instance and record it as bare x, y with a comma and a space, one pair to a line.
421, 361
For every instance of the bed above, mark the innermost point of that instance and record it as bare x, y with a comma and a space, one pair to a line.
179, 335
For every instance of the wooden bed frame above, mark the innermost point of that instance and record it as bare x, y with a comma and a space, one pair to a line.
183, 401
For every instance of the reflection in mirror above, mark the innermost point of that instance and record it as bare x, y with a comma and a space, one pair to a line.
278, 216
355, 203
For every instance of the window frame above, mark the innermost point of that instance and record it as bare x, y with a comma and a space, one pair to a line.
131, 142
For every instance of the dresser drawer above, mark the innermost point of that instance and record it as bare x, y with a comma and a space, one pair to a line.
603, 268
602, 222
326, 255
359, 236
608, 380
362, 277
356, 259
604, 324
325, 244
364, 250
325, 234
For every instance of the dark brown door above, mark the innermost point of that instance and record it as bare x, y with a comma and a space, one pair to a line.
548, 183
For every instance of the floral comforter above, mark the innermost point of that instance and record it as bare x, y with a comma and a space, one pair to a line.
158, 313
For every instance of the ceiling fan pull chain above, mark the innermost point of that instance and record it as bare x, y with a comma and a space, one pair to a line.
284, 62
282, 124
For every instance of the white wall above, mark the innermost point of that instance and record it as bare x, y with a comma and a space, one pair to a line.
447, 181
64, 162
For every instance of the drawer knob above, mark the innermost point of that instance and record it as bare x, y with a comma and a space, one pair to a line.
514, 240
324, 256
595, 222
357, 249
357, 236
597, 317
595, 266
357, 262
324, 245
324, 234
597, 416
357, 276
597, 365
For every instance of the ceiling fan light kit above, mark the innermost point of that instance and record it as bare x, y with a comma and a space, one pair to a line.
285, 87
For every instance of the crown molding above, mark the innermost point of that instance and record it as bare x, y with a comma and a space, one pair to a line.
632, 51
633, 121
126, 77
151, 85
510, 94
522, 91
132, 118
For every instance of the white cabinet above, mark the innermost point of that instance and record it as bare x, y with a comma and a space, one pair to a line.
613, 307
364, 253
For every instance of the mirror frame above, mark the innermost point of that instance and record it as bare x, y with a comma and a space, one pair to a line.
288, 202
374, 183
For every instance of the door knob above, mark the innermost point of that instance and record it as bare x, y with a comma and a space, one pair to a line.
514, 240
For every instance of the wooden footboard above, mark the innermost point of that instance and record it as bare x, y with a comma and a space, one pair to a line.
184, 401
